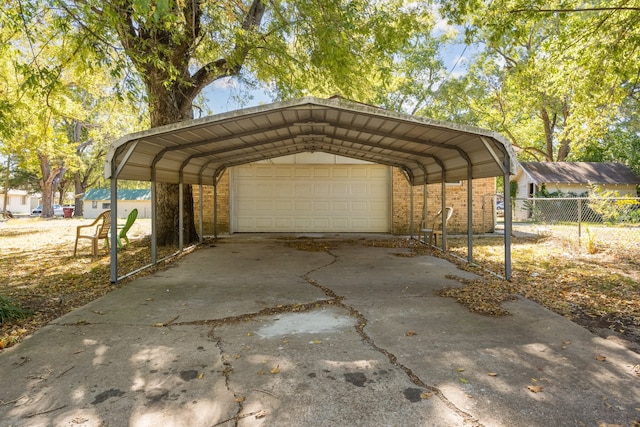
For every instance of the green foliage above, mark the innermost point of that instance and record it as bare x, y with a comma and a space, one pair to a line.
10, 311
533, 80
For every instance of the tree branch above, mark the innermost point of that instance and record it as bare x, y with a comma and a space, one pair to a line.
229, 67
577, 10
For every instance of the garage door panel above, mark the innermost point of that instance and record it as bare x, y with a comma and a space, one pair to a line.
311, 198
284, 205
321, 207
359, 173
340, 173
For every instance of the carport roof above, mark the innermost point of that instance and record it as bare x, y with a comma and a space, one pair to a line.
202, 149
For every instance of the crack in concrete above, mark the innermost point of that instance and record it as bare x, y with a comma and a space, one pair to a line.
362, 323
334, 300
226, 372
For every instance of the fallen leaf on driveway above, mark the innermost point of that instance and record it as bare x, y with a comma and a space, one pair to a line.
426, 395
600, 358
261, 414
492, 374
276, 370
410, 333
535, 388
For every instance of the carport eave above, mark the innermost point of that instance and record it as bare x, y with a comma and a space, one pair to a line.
161, 145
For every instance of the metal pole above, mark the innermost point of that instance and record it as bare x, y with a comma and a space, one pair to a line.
443, 212
181, 213
114, 227
154, 212
580, 221
411, 211
507, 222
215, 208
469, 215
201, 210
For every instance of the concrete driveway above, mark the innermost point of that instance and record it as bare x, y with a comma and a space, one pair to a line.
253, 331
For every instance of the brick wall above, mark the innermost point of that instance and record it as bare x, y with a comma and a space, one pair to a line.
223, 205
456, 197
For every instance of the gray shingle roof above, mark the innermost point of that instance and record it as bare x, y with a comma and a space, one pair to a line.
580, 173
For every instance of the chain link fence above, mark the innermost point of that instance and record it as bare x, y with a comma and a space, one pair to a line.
594, 223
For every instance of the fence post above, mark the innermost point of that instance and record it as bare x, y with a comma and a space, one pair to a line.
579, 221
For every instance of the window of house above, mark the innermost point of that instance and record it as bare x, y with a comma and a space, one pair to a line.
94, 204
106, 206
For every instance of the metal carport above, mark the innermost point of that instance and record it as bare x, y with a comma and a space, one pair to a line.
199, 151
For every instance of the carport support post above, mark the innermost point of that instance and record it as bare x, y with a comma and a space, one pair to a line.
424, 208
215, 208
507, 221
181, 213
470, 216
154, 211
114, 229
443, 212
200, 210
411, 211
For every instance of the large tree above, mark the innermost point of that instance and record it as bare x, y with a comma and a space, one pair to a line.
62, 104
178, 48
552, 75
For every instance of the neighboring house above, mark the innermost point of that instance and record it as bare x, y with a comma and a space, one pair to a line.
319, 192
98, 200
571, 178
19, 202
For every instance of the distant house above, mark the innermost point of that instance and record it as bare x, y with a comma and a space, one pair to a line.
98, 200
571, 178
19, 202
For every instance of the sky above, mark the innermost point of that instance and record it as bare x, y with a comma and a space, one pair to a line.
231, 94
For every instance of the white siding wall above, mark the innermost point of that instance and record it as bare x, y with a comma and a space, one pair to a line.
93, 208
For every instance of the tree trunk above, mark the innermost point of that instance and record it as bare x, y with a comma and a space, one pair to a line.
6, 185
548, 134
78, 188
169, 106
50, 179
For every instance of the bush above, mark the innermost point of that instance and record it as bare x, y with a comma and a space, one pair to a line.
10, 311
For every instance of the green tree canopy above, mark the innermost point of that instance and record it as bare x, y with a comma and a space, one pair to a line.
552, 77
177, 48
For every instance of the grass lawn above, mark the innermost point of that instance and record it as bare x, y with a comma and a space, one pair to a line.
600, 290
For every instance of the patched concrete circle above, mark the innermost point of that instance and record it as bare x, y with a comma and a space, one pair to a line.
306, 323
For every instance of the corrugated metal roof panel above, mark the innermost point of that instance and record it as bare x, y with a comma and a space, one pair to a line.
204, 147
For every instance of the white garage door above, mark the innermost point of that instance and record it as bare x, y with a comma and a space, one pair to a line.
311, 198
